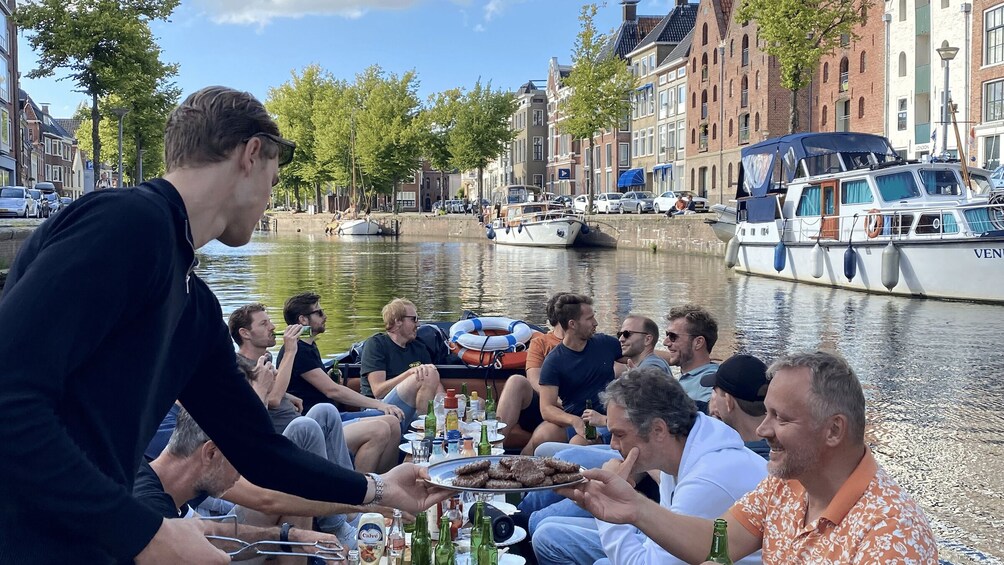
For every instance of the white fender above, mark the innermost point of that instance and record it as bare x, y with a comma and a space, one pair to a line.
732, 252
890, 266
817, 260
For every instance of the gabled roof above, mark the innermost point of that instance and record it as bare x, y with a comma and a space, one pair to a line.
674, 27
48, 123
682, 49
629, 35
723, 12
527, 88
69, 124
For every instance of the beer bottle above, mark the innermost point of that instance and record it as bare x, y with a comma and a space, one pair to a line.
445, 554
490, 404
463, 404
590, 429
488, 554
720, 544
484, 446
430, 421
421, 552
304, 332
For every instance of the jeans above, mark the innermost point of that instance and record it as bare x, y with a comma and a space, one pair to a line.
568, 541
321, 432
409, 411
546, 503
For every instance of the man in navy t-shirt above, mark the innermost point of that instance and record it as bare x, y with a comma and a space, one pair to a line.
575, 371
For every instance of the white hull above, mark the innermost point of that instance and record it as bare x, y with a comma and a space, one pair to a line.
725, 222
359, 227
960, 269
547, 233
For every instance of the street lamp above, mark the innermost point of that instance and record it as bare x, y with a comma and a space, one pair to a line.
947, 54
120, 112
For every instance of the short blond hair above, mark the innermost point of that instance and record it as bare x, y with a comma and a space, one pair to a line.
395, 311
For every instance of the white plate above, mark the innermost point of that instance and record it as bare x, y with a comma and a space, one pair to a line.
510, 559
442, 474
518, 535
406, 447
492, 438
420, 425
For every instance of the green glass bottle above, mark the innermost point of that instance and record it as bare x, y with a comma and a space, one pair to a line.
590, 429
445, 554
304, 332
720, 544
421, 551
490, 404
464, 399
430, 421
488, 554
484, 446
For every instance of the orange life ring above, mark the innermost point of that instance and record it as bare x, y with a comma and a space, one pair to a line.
509, 360
874, 223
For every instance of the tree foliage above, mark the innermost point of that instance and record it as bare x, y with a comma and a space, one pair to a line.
104, 45
799, 33
437, 123
482, 129
600, 84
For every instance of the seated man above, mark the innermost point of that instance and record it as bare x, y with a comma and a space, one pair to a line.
690, 338
372, 441
702, 463
639, 336
192, 465
519, 403
826, 501
739, 389
396, 367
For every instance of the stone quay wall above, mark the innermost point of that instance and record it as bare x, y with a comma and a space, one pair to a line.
683, 234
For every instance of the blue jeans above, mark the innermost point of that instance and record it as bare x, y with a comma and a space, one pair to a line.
568, 541
409, 411
544, 504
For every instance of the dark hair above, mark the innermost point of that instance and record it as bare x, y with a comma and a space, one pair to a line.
210, 123
549, 309
754, 408
568, 307
647, 394
699, 322
241, 318
835, 388
299, 305
648, 325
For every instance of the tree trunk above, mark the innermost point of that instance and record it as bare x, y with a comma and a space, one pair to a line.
296, 197
95, 138
793, 124
589, 178
393, 197
317, 196
481, 182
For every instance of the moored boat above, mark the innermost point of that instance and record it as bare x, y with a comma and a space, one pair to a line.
536, 224
842, 209
358, 227
724, 222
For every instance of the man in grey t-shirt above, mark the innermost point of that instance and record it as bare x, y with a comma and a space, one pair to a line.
639, 336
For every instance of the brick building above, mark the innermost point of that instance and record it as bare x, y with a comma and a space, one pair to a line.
564, 160
10, 132
987, 68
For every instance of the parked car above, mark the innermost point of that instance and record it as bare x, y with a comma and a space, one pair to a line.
564, 201
579, 203
64, 201
52, 203
997, 178
637, 201
17, 201
666, 202
607, 202
41, 205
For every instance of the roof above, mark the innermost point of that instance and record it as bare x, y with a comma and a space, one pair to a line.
69, 124
682, 49
629, 35
674, 27
49, 124
527, 88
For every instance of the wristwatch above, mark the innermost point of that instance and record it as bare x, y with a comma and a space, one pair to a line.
284, 536
377, 488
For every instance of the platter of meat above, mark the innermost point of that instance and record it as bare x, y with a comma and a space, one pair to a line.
504, 473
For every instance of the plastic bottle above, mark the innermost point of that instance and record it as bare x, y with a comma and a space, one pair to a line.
468, 450
395, 537
352, 558
445, 554
462, 403
590, 429
452, 417
430, 421
421, 550
438, 452
371, 538
476, 408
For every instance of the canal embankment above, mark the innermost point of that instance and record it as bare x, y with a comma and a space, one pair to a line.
11, 239
682, 234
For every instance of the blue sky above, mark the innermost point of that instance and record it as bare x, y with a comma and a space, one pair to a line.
255, 44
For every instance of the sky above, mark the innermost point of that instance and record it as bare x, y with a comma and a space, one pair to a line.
255, 45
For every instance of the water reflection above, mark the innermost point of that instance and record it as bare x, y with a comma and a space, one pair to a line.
932, 370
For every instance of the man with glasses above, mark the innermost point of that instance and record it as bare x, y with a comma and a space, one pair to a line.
639, 336
692, 334
396, 366
145, 331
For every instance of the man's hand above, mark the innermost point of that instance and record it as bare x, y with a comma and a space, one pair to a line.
405, 487
391, 410
595, 418
265, 372
580, 427
290, 338
297, 402
607, 494
424, 372
181, 541
299, 535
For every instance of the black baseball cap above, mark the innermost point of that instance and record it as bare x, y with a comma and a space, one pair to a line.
742, 376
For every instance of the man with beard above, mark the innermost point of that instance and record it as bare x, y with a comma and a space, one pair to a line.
639, 336
739, 388
690, 338
826, 500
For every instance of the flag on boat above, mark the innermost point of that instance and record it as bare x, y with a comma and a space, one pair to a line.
934, 142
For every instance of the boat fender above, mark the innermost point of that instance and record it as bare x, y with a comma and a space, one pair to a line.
780, 255
519, 228
490, 233
584, 230
507, 228
732, 253
873, 223
817, 260
850, 263
890, 266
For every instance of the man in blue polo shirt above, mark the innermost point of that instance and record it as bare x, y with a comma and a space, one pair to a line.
691, 336
576, 371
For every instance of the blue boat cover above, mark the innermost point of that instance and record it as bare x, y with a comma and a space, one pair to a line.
631, 177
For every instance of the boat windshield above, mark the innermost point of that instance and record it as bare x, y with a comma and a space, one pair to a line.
897, 186
941, 182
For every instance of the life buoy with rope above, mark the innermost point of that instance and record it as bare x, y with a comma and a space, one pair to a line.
491, 341
874, 223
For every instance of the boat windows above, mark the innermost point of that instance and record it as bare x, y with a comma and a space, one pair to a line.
856, 192
940, 182
980, 183
937, 223
823, 164
809, 203
897, 186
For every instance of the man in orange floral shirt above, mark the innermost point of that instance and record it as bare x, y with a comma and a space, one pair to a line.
826, 500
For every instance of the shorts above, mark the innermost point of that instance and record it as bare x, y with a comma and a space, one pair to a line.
530, 418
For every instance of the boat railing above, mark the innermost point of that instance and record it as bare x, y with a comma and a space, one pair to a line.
915, 223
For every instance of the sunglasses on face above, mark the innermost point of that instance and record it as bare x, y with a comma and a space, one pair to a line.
626, 334
319, 312
412, 318
286, 147
673, 336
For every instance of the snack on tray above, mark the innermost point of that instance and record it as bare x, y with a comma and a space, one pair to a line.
561, 466
476, 480
497, 471
503, 484
565, 477
514, 472
475, 467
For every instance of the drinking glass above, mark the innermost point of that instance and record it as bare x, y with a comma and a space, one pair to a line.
419, 452
440, 411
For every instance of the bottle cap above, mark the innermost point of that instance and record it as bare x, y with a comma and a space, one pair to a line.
450, 402
474, 395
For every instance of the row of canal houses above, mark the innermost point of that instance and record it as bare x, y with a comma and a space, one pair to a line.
706, 88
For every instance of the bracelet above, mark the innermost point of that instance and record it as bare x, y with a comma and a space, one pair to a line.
284, 536
377, 488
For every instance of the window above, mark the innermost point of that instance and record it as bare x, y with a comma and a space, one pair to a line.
901, 114
704, 104
902, 10
704, 67
5, 76
902, 64
681, 99
897, 186
671, 107
744, 92
644, 67
663, 104
651, 141
714, 131
993, 50
704, 34
693, 63
538, 148
622, 155
651, 62
746, 50
993, 101
826, 72
940, 183
861, 65
538, 180
744, 128
610, 155
731, 128
844, 74
845, 40
861, 107
823, 121
808, 204
714, 93
538, 117
670, 144
681, 135
661, 138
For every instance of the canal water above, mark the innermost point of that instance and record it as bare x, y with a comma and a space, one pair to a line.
933, 371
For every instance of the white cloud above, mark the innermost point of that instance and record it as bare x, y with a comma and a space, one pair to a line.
495, 8
263, 11
479, 28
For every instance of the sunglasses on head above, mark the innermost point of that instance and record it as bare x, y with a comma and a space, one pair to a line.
673, 336
626, 334
286, 147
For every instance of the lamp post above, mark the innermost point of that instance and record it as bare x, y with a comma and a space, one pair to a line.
120, 112
946, 54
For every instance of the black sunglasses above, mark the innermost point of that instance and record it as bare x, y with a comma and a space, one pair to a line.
319, 312
673, 336
286, 147
626, 334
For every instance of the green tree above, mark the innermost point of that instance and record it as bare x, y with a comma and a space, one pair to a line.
482, 129
295, 107
103, 44
335, 121
799, 33
600, 85
438, 121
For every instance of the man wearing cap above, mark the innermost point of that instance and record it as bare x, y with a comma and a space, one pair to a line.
738, 390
